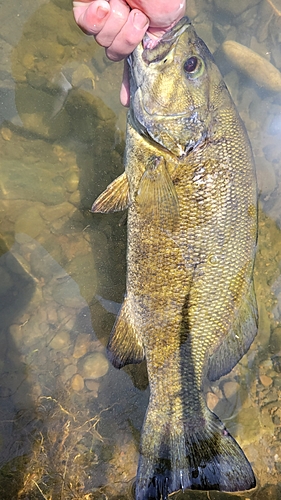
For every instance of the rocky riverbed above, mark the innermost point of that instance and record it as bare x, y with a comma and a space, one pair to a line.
70, 424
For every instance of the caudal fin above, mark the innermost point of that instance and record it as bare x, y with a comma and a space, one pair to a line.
205, 457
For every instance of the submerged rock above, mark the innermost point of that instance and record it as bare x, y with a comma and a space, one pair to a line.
30, 222
212, 400
52, 213
94, 366
24, 181
60, 341
81, 345
92, 386
265, 380
235, 8
275, 341
82, 269
253, 65
77, 383
230, 389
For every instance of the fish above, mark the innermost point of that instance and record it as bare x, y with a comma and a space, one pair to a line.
189, 186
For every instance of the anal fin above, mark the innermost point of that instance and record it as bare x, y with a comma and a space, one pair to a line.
115, 198
124, 345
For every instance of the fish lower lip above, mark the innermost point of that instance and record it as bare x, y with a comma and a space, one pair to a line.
160, 116
156, 53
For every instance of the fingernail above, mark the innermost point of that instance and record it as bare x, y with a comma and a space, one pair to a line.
140, 21
101, 12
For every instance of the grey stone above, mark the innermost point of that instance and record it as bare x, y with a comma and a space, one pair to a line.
266, 176
31, 182
234, 8
30, 222
82, 270
6, 281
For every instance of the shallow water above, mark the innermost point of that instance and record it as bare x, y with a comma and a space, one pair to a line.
70, 423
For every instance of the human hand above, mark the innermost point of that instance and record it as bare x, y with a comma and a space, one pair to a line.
114, 25
119, 26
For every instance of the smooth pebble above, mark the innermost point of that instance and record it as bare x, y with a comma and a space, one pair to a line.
212, 400
265, 380
77, 383
60, 341
93, 386
95, 365
68, 372
53, 213
72, 182
253, 65
230, 389
81, 345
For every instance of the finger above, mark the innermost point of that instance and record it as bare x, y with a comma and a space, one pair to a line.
129, 36
162, 13
119, 12
91, 16
125, 87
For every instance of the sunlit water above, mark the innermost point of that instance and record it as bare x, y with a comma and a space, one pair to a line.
69, 422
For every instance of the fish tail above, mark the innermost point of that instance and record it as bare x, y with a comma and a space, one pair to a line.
203, 456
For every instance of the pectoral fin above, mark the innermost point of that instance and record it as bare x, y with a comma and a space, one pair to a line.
115, 198
157, 196
124, 345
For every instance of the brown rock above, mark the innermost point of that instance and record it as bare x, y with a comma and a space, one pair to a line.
265, 380
212, 400
81, 345
77, 383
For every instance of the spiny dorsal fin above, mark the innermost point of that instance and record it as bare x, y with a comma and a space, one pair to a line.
115, 198
157, 196
124, 345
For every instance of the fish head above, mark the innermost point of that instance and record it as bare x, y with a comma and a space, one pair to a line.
175, 90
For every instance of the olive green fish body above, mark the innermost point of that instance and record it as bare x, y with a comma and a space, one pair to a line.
190, 308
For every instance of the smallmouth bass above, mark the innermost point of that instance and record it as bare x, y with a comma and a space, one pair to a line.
190, 309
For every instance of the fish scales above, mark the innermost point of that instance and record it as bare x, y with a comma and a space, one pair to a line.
190, 310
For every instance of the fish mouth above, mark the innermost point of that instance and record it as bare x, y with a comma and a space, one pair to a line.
157, 53
163, 47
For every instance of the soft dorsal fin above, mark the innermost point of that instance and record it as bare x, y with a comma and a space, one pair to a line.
157, 197
125, 344
115, 198
238, 340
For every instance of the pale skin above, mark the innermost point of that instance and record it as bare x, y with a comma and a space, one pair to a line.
120, 25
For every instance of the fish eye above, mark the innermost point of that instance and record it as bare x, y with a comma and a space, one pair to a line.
193, 66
